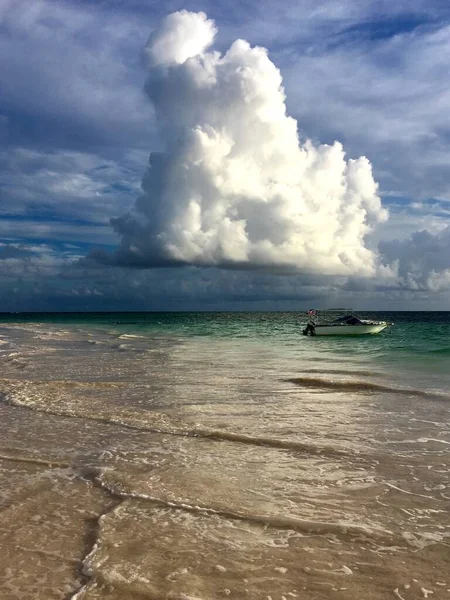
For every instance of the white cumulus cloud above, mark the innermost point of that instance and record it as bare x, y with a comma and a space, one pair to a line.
235, 185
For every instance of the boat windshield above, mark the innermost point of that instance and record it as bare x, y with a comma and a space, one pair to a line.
347, 320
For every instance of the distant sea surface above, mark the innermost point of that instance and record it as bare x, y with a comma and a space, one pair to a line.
202, 456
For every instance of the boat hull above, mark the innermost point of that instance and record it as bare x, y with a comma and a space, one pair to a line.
350, 329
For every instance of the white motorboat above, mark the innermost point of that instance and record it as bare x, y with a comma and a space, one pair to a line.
348, 324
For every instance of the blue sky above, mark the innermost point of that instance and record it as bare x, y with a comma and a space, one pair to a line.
77, 129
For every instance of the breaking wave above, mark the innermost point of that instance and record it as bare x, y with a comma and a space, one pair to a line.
156, 422
361, 386
268, 520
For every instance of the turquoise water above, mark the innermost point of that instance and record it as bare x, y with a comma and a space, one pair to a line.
414, 332
418, 339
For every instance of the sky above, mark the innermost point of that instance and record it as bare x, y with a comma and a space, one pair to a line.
225, 155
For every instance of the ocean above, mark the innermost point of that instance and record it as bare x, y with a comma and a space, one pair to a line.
200, 456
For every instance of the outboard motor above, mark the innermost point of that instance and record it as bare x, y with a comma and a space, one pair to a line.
310, 328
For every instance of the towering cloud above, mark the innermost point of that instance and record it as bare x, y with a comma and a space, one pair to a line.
234, 186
